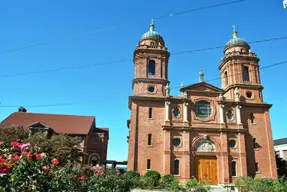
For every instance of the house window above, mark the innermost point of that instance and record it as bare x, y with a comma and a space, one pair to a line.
149, 139
176, 167
245, 74
150, 113
202, 109
151, 67
148, 164
254, 143
256, 167
252, 117
226, 78
233, 168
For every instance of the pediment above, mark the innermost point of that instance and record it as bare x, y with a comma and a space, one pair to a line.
202, 87
38, 124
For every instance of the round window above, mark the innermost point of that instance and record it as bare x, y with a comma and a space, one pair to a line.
202, 109
176, 142
249, 94
151, 89
232, 143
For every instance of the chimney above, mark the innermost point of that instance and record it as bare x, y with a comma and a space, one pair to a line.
22, 109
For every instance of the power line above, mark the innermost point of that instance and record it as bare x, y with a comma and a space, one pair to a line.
127, 60
108, 99
240, 73
220, 47
119, 26
65, 68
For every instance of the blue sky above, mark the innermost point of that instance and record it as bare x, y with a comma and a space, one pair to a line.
28, 22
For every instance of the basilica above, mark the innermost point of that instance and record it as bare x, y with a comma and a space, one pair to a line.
210, 133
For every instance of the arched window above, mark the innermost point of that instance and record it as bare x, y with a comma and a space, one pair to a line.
252, 118
94, 159
151, 67
245, 74
176, 167
226, 78
233, 168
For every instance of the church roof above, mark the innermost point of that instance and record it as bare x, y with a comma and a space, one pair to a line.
152, 35
69, 124
236, 41
280, 141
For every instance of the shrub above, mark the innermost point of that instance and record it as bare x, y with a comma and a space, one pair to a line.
151, 179
192, 183
132, 174
169, 182
244, 184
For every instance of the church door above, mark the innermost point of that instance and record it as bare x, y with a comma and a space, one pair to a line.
206, 170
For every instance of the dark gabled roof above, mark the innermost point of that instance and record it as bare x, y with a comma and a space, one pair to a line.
202, 84
69, 124
280, 141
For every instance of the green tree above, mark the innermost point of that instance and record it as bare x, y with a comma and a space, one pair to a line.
12, 133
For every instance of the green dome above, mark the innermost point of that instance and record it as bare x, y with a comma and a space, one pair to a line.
152, 35
236, 41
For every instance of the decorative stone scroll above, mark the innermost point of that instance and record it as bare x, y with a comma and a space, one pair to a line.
204, 146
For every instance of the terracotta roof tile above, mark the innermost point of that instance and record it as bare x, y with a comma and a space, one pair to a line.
70, 124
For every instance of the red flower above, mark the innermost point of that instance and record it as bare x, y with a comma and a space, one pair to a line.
15, 144
30, 158
2, 160
15, 158
82, 177
39, 156
55, 161
45, 168
99, 174
24, 153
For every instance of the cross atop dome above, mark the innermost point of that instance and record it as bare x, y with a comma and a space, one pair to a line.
234, 32
151, 27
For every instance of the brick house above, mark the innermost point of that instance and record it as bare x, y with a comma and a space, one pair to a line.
214, 134
93, 140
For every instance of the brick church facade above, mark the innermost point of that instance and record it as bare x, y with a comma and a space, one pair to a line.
210, 133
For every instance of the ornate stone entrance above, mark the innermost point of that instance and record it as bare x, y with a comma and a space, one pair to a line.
205, 164
206, 169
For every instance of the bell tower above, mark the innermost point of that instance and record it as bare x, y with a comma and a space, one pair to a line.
239, 69
150, 65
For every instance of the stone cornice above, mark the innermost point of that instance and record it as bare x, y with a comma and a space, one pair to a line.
239, 57
150, 80
248, 86
234, 103
200, 129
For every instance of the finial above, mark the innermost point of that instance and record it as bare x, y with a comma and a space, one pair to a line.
151, 26
201, 76
234, 33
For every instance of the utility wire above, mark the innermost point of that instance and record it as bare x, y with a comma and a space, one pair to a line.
127, 60
108, 99
119, 26
240, 73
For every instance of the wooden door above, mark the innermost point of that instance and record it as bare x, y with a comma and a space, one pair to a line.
206, 170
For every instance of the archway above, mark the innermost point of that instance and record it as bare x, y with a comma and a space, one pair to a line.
94, 159
205, 163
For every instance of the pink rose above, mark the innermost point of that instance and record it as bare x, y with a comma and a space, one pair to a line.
55, 161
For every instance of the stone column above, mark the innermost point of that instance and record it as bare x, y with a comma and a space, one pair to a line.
238, 114
167, 110
221, 113
185, 112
